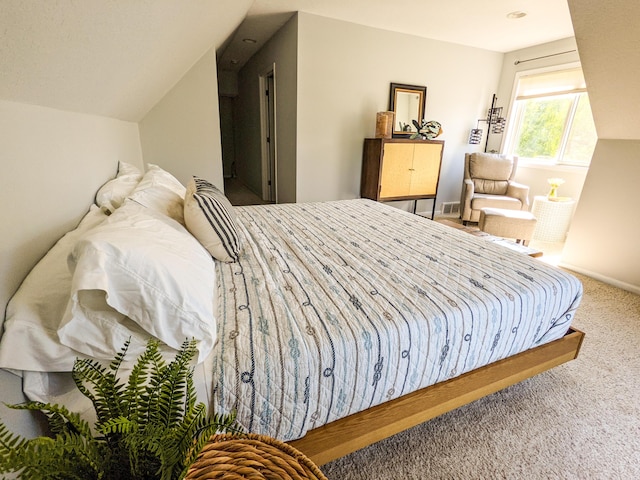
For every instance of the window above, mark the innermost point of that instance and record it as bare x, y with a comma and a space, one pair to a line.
551, 119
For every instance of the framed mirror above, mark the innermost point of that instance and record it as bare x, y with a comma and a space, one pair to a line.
407, 102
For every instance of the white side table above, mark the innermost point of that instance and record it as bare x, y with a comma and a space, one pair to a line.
553, 217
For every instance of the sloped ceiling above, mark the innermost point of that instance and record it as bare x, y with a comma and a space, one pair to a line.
118, 58
608, 40
115, 58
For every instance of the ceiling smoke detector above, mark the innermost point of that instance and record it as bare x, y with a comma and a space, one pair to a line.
517, 14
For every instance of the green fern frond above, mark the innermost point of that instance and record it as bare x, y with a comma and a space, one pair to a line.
67, 456
9, 442
57, 423
183, 436
61, 420
104, 391
114, 366
157, 361
120, 425
148, 392
144, 450
151, 426
190, 393
137, 380
86, 451
165, 391
175, 389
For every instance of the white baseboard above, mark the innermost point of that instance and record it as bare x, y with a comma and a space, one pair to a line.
603, 278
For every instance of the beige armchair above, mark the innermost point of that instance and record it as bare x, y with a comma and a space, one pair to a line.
488, 182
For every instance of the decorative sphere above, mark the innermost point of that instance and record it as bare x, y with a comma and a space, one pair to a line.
431, 129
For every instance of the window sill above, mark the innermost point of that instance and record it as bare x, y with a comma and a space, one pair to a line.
552, 167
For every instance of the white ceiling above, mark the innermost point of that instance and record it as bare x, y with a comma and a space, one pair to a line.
478, 23
118, 58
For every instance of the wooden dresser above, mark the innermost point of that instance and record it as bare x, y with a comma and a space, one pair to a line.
401, 169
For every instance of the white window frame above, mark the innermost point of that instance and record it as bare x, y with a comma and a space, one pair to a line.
512, 122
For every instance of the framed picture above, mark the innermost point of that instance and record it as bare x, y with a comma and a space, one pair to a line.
407, 102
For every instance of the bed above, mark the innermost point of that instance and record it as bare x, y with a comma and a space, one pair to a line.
345, 320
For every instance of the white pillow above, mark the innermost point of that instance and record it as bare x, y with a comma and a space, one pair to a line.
162, 192
111, 195
30, 341
140, 273
210, 217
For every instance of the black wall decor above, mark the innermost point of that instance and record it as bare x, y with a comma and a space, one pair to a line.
495, 124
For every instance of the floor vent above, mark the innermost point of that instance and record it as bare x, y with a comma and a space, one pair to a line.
450, 208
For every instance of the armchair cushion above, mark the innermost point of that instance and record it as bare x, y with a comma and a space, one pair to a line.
491, 187
490, 173
481, 200
490, 167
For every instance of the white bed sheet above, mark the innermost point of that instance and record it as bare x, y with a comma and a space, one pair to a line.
30, 340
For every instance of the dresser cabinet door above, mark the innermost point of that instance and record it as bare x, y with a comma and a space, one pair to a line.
425, 169
397, 169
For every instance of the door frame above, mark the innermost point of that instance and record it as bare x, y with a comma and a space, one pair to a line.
268, 140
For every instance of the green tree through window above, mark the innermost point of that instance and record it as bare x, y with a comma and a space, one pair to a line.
543, 123
551, 119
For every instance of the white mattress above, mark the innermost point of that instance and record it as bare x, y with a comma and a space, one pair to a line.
339, 306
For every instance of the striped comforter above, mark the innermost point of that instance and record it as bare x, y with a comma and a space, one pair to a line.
339, 306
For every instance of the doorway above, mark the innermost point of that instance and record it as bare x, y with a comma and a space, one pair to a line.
268, 136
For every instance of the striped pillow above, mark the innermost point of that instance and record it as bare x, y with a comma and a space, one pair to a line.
210, 217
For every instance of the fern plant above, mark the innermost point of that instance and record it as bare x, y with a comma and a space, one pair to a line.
149, 427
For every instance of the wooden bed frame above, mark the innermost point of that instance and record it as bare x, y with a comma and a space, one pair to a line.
356, 431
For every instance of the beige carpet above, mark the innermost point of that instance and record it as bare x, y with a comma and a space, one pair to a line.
578, 421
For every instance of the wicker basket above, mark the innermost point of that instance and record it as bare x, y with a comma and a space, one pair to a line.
254, 457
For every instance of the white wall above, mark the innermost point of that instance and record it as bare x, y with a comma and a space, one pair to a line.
603, 239
280, 50
344, 75
52, 163
182, 132
536, 176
